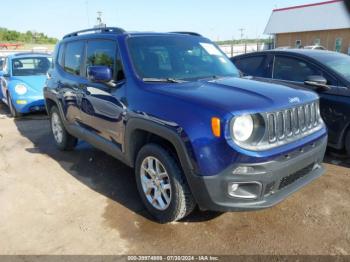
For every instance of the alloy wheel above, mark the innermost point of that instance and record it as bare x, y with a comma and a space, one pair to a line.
155, 183
57, 128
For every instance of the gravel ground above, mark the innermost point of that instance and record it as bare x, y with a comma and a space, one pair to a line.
85, 202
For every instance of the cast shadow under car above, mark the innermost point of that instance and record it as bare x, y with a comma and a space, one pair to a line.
92, 167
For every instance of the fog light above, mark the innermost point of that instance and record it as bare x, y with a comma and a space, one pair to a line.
234, 187
243, 170
245, 190
21, 102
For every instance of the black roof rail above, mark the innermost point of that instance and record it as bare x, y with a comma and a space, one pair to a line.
186, 33
114, 30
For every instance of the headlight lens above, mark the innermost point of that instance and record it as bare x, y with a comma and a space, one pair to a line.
21, 89
242, 128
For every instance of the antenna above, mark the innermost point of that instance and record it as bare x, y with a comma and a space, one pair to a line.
99, 23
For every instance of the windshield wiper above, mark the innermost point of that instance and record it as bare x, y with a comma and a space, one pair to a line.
213, 77
164, 80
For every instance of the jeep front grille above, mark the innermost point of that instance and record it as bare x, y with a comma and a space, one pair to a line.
294, 122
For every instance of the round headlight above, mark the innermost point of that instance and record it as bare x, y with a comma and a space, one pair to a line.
243, 127
21, 89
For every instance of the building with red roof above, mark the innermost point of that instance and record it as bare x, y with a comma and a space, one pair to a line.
326, 24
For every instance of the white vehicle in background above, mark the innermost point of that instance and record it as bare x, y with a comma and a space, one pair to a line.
40, 49
315, 47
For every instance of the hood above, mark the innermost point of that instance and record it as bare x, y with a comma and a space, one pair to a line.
238, 94
34, 83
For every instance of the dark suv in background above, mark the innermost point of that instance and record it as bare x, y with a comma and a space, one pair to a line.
173, 107
325, 72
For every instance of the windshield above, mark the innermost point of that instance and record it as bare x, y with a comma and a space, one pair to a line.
178, 57
30, 66
338, 62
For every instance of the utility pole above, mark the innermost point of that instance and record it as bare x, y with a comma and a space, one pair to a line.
233, 39
242, 33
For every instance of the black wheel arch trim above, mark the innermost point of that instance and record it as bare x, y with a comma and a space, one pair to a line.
167, 133
49, 95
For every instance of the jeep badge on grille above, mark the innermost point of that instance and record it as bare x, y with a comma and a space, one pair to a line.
294, 100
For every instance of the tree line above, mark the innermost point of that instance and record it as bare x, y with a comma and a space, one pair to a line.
27, 37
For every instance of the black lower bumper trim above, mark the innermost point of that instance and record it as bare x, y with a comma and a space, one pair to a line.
279, 179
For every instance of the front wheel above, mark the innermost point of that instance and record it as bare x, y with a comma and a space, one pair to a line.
162, 185
63, 139
14, 113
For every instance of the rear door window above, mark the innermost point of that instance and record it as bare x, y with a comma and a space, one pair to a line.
253, 66
73, 57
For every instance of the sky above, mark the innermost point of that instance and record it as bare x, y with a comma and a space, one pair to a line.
216, 19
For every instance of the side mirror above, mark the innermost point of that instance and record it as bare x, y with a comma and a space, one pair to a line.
319, 83
99, 74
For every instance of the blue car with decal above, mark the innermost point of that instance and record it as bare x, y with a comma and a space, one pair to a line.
173, 107
22, 82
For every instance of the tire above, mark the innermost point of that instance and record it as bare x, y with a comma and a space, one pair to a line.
64, 141
347, 143
174, 192
13, 112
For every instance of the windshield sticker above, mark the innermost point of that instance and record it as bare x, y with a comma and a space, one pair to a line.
211, 49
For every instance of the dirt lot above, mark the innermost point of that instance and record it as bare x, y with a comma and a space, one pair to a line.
85, 202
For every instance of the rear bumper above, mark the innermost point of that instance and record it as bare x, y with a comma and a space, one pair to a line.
271, 182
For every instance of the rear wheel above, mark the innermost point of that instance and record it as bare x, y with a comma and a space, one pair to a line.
162, 185
14, 113
63, 139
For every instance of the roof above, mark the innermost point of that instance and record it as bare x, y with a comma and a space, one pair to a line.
28, 54
118, 31
298, 51
310, 17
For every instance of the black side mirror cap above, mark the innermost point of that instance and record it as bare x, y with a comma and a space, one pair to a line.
316, 82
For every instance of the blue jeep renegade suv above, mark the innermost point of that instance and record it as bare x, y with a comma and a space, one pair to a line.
173, 107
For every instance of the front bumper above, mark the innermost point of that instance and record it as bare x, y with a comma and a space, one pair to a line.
32, 104
271, 181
